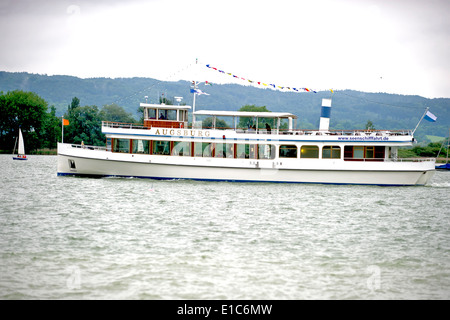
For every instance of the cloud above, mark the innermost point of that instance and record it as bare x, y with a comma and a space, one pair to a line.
392, 46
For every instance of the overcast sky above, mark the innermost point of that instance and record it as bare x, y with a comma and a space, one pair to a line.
400, 46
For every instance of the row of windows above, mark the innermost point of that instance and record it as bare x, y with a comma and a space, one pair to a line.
243, 151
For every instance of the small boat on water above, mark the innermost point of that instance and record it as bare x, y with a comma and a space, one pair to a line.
245, 147
446, 165
21, 148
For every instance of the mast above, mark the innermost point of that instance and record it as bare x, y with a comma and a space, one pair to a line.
193, 103
195, 93
426, 110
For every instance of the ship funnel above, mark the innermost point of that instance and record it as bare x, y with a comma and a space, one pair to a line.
325, 115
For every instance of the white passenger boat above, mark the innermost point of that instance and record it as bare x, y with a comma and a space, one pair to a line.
253, 147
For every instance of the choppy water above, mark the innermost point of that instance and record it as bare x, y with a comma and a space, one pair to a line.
80, 238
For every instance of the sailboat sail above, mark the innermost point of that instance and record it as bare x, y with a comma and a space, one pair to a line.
21, 149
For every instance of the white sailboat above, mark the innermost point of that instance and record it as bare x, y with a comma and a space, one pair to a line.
21, 148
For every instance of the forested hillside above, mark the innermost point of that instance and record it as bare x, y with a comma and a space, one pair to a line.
350, 109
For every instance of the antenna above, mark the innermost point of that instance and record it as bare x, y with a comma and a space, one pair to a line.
178, 99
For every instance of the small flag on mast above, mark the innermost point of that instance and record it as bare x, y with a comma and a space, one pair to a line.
430, 117
199, 92
65, 122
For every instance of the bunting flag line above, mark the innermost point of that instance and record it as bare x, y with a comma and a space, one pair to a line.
262, 83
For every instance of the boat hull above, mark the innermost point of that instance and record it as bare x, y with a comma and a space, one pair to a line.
82, 162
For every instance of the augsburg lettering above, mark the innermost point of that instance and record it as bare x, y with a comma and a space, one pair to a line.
183, 132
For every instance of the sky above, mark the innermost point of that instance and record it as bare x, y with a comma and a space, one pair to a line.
400, 46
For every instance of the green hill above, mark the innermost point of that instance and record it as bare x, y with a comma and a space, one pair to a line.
350, 109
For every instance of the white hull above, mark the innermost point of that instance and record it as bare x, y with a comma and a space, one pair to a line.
99, 163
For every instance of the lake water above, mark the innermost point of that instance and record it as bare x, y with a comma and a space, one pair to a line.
111, 238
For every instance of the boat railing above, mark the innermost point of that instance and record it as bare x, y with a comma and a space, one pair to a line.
412, 159
388, 159
307, 132
82, 146
122, 125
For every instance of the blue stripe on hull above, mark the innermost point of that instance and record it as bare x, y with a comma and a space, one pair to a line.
62, 174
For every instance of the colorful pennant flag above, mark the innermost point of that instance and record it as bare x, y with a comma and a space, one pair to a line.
261, 83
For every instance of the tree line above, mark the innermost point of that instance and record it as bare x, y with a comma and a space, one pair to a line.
42, 129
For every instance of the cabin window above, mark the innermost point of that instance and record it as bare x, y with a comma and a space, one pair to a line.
151, 113
379, 152
375, 153
266, 151
230, 150
358, 152
172, 115
108, 144
288, 151
370, 152
331, 152
309, 152
242, 151
162, 115
224, 150
141, 146
203, 149
161, 147
246, 151
121, 145
220, 150
181, 148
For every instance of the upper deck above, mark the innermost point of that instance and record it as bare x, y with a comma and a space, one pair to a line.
238, 123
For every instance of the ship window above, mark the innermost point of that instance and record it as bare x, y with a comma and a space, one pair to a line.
203, 149
331, 152
161, 147
309, 152
358, 152
370, 152
246, 151
242, 151
230, 150
288, 151
379, 152
162, 115
220, 151
108, 144
121, 145
182, 149
266, 151
172, 115
141, 146
151, 113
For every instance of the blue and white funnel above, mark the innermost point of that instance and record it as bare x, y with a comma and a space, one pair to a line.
325, 115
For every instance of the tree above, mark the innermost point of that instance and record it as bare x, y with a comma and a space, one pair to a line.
369, 125
25, 110
247, 122
51, 129
115, 113
84, 125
